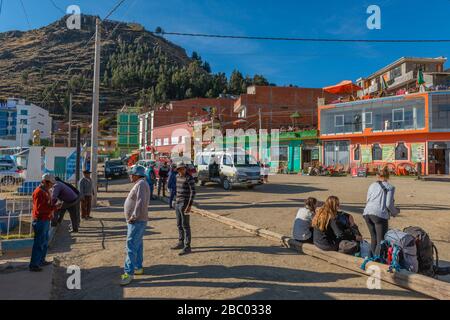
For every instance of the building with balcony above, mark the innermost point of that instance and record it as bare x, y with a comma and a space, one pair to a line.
401, 76
19, 119
404, 129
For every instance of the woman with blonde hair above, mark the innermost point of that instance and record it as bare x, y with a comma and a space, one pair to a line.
379, 208
327, 234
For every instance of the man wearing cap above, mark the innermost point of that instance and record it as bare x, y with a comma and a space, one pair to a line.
42, 213
183, 203
86, 193
136, 215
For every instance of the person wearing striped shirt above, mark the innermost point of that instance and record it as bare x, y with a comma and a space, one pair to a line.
183, 203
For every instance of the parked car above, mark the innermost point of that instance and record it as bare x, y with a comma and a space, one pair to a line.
115, 169
10, 173
228, 169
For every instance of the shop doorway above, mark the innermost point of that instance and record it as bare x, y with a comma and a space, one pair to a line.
439, 158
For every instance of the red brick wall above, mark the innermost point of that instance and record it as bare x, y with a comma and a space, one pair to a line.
177, 111
279, 103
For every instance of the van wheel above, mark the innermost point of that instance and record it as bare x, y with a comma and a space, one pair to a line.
226, 184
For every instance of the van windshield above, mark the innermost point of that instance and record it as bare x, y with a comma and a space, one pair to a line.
245, 161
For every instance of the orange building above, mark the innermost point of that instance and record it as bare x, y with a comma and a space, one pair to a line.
398, 130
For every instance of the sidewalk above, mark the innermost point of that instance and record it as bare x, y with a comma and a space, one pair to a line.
17, 283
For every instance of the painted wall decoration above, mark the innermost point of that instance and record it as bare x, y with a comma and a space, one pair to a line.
366, 154
417, 152
388, 152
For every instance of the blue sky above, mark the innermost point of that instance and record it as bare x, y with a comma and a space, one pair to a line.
302, 64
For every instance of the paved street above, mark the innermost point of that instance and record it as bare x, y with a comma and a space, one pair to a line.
225, 263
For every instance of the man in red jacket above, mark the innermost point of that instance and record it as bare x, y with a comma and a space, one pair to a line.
42, 213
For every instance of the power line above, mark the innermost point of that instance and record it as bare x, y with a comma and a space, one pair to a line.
221, 36
54, 86
114, 9
26, 15
56, 6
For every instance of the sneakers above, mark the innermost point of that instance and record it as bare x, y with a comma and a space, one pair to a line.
185, 251
35, 269
125, 279
139, 272
179, 246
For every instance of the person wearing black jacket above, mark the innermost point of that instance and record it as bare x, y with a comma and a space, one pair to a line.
184, 199
163, 175
327, 233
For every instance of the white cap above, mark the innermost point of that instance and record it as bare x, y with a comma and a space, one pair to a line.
49, 177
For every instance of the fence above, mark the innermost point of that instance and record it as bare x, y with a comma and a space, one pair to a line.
15, 210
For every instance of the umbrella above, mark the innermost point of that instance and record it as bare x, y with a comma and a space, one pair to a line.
295, 115
344, 87
420, 79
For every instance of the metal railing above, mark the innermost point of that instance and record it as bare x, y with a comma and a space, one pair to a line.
15, 210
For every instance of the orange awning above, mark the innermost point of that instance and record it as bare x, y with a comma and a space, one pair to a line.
344, 87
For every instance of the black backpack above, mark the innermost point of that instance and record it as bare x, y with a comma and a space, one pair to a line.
425, 251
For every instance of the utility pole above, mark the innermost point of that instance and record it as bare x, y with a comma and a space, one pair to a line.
70, 121
259, 134
95, 110
78, 161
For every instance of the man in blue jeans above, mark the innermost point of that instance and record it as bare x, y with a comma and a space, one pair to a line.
136, 214
42, 213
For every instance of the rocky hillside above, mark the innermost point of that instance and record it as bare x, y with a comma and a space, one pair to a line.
138, 68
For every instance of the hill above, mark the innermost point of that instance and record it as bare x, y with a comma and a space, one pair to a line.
138, 68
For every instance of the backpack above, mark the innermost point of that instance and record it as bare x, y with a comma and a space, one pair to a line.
399, 251
425, 251
395, 211
348, 247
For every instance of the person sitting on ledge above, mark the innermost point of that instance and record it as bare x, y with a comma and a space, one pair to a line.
302, 230
327, 234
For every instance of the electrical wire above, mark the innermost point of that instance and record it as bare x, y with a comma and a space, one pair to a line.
222, 36
56, 6
26, 14
84, 47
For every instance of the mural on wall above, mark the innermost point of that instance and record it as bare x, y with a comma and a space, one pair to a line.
388, 152
417, 152
366, 154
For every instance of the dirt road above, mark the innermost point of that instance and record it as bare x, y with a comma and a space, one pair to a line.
225, 263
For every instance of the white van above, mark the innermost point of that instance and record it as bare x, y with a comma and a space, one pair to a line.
227, 169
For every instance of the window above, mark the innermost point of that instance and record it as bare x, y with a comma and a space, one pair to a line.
243, 113
377, 153
396, 72
398, 115
174, 140
23, 121
157, 142
23, 112
166, 142
357, 153
368, 118
401, 152
339, 121
24, 130
227, 161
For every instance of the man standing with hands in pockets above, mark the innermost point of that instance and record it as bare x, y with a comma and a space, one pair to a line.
184, 200
136, 215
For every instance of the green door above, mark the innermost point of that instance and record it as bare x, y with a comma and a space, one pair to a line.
60, 167
297, 159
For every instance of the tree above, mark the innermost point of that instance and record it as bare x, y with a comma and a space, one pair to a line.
236, 82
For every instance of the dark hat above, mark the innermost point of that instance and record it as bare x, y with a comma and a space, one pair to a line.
86, 172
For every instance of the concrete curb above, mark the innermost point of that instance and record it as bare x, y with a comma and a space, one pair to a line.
412, 281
